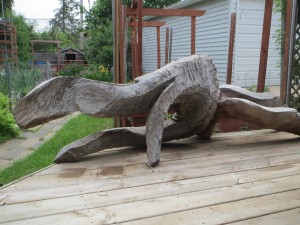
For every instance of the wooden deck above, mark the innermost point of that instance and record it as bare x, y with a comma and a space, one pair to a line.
238, 178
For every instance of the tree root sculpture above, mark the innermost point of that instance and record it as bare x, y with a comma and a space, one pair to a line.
189, 85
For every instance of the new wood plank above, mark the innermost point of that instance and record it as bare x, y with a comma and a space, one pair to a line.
289, 217
99, 199
207, 158
187, 175
227, 212
172, 151
155, 179
105, 184
221, 205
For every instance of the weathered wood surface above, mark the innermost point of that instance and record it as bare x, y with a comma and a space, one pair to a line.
265, 99
237, 178
189, 86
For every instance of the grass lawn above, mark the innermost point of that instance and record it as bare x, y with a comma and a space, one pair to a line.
76, 128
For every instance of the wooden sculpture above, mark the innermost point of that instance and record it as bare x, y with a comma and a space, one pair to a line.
189, 85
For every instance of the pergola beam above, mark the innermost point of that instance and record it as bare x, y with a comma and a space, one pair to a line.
165, 12
148, 24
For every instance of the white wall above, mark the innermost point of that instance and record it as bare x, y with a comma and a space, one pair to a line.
212, 36
250, 15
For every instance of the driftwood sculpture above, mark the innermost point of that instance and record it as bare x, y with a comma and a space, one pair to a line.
189, 85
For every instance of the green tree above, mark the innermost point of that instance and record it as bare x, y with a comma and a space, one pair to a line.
99, 49
24, 32
8, 4
102, 9
99, 28
66, 20
55, 34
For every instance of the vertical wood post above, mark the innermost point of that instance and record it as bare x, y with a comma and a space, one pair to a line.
230, 48
193, 35
121, 46
167, 47
132, 53
116, 42
158, 46
287, 36
140, 38
264, 46
58, 57
136, 49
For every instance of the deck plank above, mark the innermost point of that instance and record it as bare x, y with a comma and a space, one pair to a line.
220, 178
227, 212
255, 199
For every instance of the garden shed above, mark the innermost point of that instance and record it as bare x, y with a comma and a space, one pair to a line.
71, 54
212, 38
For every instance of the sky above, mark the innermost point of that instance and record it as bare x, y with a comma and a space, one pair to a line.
40, 10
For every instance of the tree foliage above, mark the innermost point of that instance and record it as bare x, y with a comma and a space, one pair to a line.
8, 126
8, 4
99, 28
99, 47
66, 16
24, 32
66, 20
54, 34
102, 9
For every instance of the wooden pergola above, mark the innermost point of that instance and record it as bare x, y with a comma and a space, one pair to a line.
136, 13
47, 42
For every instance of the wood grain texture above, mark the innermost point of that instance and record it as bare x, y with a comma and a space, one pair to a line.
265, 98
277, 118
189, 86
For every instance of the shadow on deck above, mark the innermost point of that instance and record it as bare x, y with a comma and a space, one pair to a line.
236, 178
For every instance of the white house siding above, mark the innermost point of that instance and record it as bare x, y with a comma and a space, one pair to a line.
211, 36
250, 15
233, 5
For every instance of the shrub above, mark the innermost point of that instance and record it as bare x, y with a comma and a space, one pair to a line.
22, 80
92, 72
8, 127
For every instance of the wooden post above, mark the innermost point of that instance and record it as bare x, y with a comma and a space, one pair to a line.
123, 26
116, 35
158, 46
287, 36
193, 35
136, 51
140, 38
132, 53
264, 46
170, 43
58, 57
167, 46
32, 52
230, 48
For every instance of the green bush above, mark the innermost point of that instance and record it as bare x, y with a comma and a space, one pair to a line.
72, 69
8, 127
92, 72
22, 80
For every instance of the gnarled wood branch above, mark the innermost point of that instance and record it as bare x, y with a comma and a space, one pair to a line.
189, 85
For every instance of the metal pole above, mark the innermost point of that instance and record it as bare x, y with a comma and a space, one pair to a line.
81, 24
64, 24
81, 14
2, 5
